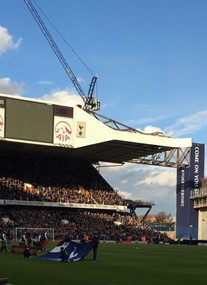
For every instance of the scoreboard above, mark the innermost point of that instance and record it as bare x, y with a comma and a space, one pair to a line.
34, 121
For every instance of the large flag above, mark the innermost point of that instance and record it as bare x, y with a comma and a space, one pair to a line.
75, 250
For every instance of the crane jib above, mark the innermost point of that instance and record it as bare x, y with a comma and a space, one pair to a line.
90, 103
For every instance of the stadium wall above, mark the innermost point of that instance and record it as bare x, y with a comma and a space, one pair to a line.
189, 181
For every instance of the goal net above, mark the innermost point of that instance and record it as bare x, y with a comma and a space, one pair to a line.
19, 232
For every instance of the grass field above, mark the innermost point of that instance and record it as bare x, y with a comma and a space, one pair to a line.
117, 264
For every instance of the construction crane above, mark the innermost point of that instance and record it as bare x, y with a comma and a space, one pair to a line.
90, 103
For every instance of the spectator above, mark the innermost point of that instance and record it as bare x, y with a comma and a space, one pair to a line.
95, 239
3, 242
26, 253
63, 254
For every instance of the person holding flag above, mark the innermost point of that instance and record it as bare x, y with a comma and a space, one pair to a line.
96, 239
63, 254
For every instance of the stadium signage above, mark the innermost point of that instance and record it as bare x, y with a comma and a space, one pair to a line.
188, 185
182, 200
63, 205
196, 171
63, 130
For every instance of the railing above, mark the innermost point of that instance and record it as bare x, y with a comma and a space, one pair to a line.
63, 205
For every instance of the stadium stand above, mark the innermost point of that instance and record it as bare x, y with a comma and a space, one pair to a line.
28, 180
37, 179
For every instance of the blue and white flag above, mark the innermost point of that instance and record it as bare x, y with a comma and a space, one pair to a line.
75, 250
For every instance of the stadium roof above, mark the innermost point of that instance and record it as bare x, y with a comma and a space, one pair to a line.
101, 139
113, 151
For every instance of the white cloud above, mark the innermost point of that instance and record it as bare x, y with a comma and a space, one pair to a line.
124, 194
147, 183
107, 105
124, 181
65, 97
6, 41
159, 178
152, 129
188, 125
7, 86
146, 120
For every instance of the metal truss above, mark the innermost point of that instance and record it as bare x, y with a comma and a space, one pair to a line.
119, 126
177, 158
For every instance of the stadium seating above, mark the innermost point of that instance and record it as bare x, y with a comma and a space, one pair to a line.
33, 178
37, 181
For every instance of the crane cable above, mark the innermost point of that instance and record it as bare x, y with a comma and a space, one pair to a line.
66, 42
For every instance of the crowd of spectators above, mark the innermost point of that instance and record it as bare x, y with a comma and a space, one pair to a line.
34, 178
79, 222
71, 182
14, 189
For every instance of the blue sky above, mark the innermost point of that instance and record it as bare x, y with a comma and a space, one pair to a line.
150, 57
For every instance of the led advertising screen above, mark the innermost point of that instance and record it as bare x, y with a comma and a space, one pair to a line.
27, 120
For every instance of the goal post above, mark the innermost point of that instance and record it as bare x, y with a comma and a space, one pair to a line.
50, 232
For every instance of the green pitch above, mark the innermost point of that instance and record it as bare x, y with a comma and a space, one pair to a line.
117, 264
